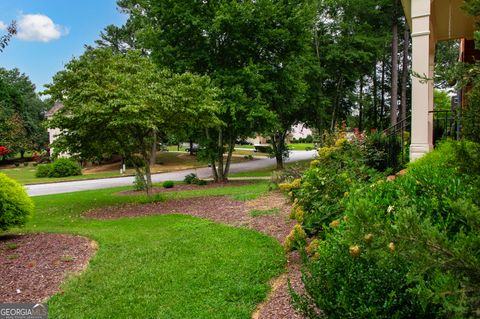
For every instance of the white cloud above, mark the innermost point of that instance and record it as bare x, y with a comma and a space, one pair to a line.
38, 27
3, 26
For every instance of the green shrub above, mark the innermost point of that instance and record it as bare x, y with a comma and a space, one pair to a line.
139, 183
326, 185
407, 248
382, 152
190, 178
168, 184
193, 179
43, 170
15, 205
64, 167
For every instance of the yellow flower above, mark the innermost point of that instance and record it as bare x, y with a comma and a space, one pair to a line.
354, 251
391, 246
314, 163
368, 238
312, 248
335, 223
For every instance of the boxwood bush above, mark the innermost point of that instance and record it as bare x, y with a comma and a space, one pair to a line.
405, 248
61, 167
15, 205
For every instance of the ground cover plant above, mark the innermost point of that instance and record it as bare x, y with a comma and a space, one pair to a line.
403, 248
167, 266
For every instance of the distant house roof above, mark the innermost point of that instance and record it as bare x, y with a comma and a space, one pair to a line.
57, 106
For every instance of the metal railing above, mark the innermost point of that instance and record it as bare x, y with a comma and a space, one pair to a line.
401, 131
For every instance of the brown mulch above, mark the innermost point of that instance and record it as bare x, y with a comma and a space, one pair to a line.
33, 266
223, 209
184, 187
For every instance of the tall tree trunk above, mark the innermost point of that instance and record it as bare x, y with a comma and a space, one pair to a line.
360, 106
190, 150
153, 155
375, 98
212, 158
231, 147
394, 89
336, 104
221, 177
382, 99
403, 103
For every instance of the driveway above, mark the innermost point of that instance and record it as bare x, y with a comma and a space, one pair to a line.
204, 172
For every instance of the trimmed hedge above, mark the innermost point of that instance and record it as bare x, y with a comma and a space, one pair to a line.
61, 167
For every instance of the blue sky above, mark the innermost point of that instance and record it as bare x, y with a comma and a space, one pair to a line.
52, 32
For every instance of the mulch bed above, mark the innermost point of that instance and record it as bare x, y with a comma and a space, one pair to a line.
185, 187
33, 266
223, 209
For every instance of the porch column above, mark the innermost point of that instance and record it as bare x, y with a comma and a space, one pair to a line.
423, 48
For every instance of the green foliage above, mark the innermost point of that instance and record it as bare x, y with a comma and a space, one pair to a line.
471, 116
16, 208
168, 184
193, 179
139, 182
63, 167
21, 112
43, 170
383, 152
326, 185
418, 237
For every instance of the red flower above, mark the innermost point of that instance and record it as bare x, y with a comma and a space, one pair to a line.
3, 150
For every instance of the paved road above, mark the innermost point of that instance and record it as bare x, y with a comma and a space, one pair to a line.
67, 187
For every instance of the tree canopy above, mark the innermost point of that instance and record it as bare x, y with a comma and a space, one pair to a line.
113, 102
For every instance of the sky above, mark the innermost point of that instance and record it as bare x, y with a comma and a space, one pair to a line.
52, 32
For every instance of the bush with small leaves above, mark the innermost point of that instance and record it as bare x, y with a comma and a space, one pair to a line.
15, 205
43, 170
63, 167
168, 184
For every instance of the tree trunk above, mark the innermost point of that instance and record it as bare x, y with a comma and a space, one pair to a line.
375, 100
403, 103
153, 155
231, 147
212, 159
278, 144
360, 105
394, 89
190, 141
382, 100
221, 177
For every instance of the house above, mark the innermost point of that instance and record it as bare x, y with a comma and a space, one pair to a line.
430, 21
52, 133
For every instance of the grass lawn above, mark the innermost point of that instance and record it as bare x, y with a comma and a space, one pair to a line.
165, 266
268, 170
166, 162
301, 146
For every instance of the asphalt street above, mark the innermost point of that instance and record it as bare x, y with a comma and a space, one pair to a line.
204, 172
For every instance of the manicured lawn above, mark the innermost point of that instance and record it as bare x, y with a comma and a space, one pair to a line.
165, 266
268, 170
26, 175
301, 146
166, 162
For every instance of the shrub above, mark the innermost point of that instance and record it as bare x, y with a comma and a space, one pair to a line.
139, 183
43, 170
193, 179
406, 248
382, 152
326, 185
64, 167
168, 184
190, 178
15, 205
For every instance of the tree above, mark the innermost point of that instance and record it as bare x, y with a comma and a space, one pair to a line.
4, 39
235, 43
112, 103
21, 112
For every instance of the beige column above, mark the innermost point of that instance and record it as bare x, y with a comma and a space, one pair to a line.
422, 89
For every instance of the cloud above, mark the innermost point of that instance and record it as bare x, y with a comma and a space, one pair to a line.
3, 26
38, 27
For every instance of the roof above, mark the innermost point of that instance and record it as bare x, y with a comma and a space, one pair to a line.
57, 106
